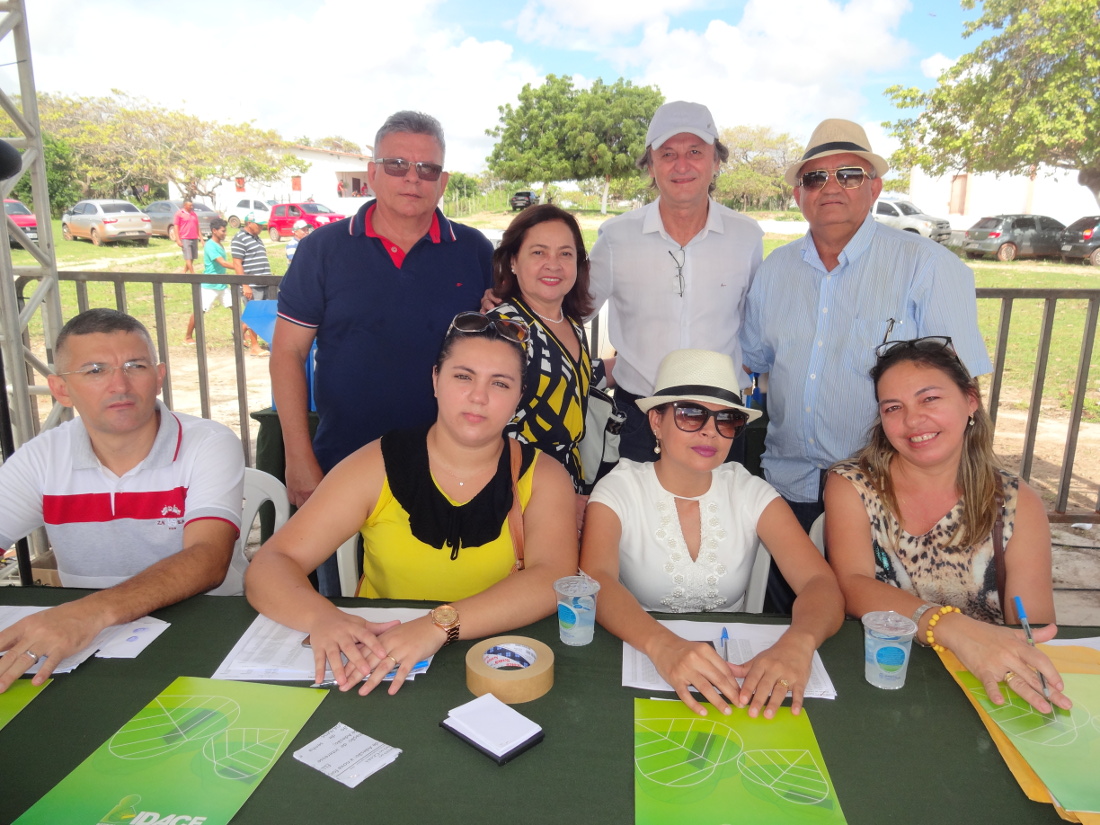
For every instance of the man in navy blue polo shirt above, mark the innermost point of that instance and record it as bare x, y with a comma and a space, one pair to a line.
377, 292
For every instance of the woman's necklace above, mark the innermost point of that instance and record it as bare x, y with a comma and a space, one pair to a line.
558, 320
463, 479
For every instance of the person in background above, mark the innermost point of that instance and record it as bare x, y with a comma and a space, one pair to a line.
250, 258
913, 523
299, 231
214, 263
140, 503
540, 270
187, 235
454, 511
681, 534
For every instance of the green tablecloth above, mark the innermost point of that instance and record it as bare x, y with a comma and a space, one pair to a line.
916, 755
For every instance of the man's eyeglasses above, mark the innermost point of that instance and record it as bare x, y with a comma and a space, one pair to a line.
101, 372
929, 343
399, 167
474, 322
849, 177
679, 269
691, 418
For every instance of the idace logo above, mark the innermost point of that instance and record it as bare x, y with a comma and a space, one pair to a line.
126, 812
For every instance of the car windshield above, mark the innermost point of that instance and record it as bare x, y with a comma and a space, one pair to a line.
317, 209
988, 223
118, 206
16, 208
1078, 225
907, 208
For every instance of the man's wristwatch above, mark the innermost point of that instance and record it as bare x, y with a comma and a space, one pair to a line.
445, 617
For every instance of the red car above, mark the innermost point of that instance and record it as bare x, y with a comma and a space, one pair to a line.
283, 216
23, 217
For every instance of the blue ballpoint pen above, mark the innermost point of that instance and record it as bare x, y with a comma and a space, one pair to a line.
1022, 616
725, 644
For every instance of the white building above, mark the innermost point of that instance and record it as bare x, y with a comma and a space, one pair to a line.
965, 199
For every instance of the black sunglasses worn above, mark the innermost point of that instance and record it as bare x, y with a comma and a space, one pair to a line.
399, 167
849, 177
691, 418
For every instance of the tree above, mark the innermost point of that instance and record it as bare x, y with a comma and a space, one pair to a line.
753, 175
339, 144
606, 129
1027, 95
531, 138
60, 184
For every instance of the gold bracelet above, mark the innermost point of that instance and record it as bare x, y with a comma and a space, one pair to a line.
935, 620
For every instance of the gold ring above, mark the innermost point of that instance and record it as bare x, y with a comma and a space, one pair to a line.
1009, 676
785, 683
396, 663
32, 655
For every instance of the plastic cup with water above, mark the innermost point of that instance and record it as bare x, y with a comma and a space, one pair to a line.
576, 608
887, 640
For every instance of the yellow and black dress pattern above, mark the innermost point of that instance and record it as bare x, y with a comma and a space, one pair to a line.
555, 394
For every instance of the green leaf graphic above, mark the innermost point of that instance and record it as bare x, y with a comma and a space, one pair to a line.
242, 753
169, 722
792, 775
679, 753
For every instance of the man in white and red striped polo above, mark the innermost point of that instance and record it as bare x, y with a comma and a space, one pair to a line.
137, 500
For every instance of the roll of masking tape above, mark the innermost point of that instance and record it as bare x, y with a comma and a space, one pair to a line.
514, 669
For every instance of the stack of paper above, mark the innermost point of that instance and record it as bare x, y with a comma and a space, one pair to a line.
745, 641
494, 728
123, 641
346, 755
271, 652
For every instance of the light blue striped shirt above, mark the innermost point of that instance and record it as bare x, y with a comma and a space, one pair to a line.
816, 331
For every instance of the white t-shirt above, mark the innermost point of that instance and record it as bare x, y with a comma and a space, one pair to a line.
654, 563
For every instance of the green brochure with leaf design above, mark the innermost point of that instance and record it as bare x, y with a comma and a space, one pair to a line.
17, 697
716, 769
192, 755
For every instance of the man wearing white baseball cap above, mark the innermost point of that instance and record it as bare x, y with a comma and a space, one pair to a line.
677, 270
819, 307
299, 231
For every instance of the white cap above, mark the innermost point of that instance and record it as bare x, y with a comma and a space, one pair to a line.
301, 225
680, 116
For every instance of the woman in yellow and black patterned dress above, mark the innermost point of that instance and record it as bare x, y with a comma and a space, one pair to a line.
540, 271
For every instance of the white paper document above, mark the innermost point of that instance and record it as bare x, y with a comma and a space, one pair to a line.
122, 641
489, 723
269, 651
346, 755
745, 641
1091, 641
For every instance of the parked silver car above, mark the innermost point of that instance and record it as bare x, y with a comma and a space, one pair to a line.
162, 214
106, 221
908, 217
1008, 237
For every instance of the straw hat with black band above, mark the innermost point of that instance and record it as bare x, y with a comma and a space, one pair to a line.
837, 137
697, 375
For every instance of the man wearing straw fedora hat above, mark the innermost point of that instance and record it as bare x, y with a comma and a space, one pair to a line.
820, 305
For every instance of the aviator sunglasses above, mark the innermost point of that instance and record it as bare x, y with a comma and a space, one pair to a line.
691, 418
849, 177
474, 322
399, 167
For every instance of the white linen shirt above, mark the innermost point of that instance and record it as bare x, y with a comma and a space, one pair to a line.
106, 528
654, 563
815, 333
633, 263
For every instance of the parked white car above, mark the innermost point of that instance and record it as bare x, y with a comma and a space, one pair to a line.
240, 208
909, 217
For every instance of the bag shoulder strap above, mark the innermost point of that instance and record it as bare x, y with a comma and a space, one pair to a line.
999, 547
515, 515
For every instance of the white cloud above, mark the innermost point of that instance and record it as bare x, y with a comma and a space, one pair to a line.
579, 24
936, 65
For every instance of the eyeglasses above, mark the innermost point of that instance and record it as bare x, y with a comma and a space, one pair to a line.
474, 322
849, 177
399, 167
101, 372
691, 418
679, 269
930, 343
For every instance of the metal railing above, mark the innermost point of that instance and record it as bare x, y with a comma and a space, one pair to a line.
1007, 298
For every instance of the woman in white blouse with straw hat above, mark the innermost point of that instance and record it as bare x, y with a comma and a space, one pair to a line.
680, 534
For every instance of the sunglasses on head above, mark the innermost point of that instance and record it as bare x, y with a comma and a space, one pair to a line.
691, 417
849, 177
399, 167
474, 322
929, 343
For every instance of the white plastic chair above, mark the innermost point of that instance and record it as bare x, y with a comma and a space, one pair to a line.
758, 580
347, 563
258, 488
817, 533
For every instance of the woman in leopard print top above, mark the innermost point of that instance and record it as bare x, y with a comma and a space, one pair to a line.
909, 522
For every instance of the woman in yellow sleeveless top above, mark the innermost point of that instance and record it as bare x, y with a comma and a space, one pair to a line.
433, 507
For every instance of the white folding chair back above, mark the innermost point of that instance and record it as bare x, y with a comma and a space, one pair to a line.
258, 488
817, 533
348, 565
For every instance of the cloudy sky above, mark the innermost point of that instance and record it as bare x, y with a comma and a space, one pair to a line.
324, 67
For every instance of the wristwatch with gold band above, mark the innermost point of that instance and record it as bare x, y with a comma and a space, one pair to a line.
445, 617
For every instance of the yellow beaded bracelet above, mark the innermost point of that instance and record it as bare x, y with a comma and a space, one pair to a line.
935, 620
